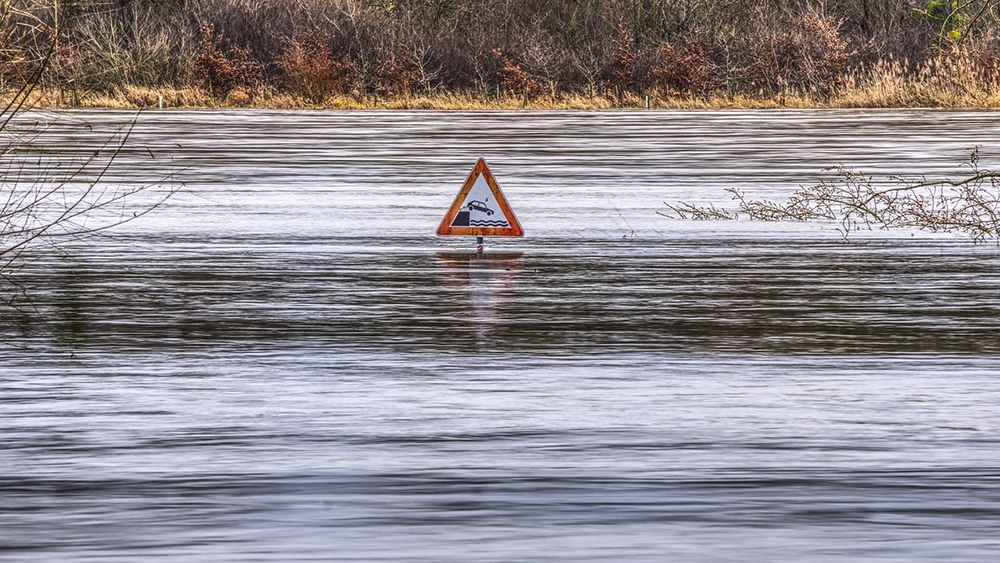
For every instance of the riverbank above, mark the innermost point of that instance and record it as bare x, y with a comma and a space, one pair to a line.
194, 98
880, 89
365, 55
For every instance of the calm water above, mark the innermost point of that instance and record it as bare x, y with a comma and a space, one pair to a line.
284, 363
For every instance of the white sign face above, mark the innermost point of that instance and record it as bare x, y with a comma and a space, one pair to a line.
480, 209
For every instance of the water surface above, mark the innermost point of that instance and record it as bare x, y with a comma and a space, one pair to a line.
283, 362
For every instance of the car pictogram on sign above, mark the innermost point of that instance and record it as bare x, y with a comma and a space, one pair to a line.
479, 206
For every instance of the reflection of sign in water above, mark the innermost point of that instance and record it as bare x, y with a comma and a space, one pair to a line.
480, 209
490, 281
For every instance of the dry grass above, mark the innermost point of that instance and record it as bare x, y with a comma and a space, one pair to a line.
945, 82
950, 80
904, 96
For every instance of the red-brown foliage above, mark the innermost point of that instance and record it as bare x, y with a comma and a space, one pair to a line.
684, 69
515, 81
313, 70
221, 70
400, 74
624, 72
806, 53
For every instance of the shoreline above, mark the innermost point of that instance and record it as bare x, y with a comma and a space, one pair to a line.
135, 98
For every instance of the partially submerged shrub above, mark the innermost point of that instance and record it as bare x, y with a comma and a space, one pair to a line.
695, 212
968, 205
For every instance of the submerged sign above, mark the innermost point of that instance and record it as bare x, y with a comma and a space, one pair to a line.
480, 209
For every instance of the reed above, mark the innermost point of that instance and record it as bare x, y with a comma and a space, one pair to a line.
952, 79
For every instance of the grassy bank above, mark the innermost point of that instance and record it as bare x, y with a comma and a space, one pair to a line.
886, 85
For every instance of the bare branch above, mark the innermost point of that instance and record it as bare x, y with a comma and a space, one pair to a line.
969, 205
47, 197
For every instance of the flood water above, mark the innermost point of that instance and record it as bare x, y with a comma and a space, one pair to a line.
284, 363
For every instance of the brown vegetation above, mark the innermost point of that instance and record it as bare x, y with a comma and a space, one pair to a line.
221, 68
684, 70
535, 53
312, 70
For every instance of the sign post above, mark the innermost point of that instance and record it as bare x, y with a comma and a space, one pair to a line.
480, 209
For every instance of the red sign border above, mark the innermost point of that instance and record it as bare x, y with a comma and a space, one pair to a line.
480, 169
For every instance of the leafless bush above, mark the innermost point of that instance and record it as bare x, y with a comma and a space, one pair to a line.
427, 61
48, 196
803, 53
969, 205
697, 212
131, 46
27, 45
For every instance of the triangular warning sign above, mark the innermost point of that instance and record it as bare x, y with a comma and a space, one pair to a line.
480, 209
